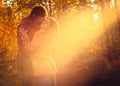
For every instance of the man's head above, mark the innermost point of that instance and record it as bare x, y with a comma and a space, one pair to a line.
38, 11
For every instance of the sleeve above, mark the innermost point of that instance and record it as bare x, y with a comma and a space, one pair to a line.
24, 39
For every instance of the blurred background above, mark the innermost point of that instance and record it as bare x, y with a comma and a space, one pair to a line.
89, 40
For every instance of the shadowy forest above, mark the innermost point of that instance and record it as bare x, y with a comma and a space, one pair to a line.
99, 65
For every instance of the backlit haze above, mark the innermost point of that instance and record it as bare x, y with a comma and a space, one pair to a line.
75, 35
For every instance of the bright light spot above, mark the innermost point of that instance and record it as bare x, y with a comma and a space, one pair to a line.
96, 16
92, 0
112, 4
92, 6
8, 3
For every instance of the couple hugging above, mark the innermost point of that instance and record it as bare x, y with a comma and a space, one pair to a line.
37, 43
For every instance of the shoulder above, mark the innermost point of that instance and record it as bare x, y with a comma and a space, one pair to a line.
52, 19
24, 20
25, 23
53, 22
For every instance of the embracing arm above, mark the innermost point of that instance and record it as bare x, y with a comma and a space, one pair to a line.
24, 39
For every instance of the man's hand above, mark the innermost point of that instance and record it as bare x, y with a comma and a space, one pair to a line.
23, 32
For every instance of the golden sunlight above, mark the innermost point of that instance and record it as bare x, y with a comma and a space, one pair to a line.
78, 32
75, 35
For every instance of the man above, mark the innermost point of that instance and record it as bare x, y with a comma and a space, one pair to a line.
37, 36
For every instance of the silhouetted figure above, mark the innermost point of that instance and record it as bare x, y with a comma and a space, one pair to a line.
37, 35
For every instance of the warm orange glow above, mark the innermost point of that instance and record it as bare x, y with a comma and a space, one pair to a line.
78, 32
75, 35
